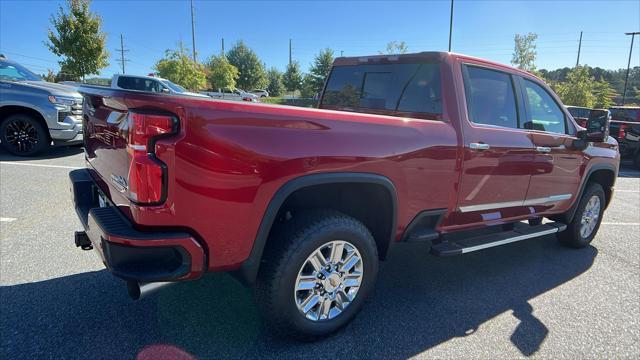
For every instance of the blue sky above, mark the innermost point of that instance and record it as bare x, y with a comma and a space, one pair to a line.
481, 28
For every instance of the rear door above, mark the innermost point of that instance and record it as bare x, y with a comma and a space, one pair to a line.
497, 152
556, 176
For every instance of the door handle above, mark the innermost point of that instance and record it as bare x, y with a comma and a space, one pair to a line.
543, 149
479, 146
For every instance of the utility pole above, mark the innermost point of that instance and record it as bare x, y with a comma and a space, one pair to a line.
222, 53
626, 78
341, 53
289, 51
450, 25
122, 50
193, 34
579, 46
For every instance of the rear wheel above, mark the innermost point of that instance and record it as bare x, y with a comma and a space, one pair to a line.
586, 222
319, 270
23, 135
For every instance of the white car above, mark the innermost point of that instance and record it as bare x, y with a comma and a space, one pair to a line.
230, 94
260, 93
150, 84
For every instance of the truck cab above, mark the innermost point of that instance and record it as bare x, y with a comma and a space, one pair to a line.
149, 84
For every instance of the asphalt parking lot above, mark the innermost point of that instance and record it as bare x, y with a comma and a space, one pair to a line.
533, 298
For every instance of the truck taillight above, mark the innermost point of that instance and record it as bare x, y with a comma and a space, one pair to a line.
147, 174
623, 129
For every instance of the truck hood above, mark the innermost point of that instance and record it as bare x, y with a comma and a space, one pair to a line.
53, 88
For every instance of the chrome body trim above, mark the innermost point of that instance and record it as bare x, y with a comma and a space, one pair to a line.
507, 204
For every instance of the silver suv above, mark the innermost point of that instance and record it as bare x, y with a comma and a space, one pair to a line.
35, 113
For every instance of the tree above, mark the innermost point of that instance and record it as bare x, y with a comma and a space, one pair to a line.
524, 52
292, 77
252, 73
395, 47
275, 86
604, 94
308, 87
180, 68
220, 73
78, 38
314, 82
578, 89
50, 76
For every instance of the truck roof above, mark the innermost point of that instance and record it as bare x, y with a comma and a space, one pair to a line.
429, 56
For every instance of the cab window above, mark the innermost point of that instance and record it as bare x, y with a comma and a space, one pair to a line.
490, 97
544, 113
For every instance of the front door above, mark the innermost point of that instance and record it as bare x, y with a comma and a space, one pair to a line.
556, 174
497, 155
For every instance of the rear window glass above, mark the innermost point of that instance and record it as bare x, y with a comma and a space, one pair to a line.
623, 114
412, 88
578, 112
140, 84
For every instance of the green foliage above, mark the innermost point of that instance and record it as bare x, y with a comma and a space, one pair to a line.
292, 77
275, 86
252, 72
395, 47
220, 73
310, 103
50, 76
578, 90
180, 68
77, 37
314, 81
604, 94
99, 81
524, 52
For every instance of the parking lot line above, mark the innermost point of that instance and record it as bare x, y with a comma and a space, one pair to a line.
628, 191
7, 219
621, 223
39, 165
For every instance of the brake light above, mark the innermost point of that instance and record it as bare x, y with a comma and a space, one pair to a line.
623, 129
147, 174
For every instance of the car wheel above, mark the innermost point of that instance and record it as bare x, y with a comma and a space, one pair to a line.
586, 222
319, 270
23, 135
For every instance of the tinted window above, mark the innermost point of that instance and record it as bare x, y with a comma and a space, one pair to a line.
490, 97
393, 87
578, 112
140, 84
16, 72
625, 114
544, 112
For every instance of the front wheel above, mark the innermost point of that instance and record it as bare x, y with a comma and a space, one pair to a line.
586, 222
23, 135
317, 274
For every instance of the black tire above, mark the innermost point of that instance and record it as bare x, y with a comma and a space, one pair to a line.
535, 222
285, 256
572, 236
22, 135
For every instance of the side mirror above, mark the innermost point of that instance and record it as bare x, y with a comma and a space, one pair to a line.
598, 125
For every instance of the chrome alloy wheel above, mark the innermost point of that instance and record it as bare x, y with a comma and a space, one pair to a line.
329, 280
590, 216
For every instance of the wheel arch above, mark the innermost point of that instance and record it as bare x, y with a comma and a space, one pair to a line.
9, 110
603, 174
301, 187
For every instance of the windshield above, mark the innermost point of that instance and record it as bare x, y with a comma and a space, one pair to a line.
174, 87
16, 72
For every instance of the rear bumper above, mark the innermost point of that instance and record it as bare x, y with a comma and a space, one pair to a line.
128, 253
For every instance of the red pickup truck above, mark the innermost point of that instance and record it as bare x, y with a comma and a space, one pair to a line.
302, 203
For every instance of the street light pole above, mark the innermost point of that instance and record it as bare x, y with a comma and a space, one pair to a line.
450, 25
193, 34
626, 78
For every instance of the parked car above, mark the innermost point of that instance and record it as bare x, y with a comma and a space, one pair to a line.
580, 114
230, 94
303, 203
149, 84
35, 113
623, 118
631, 143
260, 93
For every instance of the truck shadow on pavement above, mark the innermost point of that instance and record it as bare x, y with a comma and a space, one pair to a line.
53, 153
419, 302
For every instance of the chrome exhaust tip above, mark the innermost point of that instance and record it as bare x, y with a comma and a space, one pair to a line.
138, 290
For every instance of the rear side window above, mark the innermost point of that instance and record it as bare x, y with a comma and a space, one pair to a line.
544, 112
490, 97
625, 114
578, 112
140, 84
410, 88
